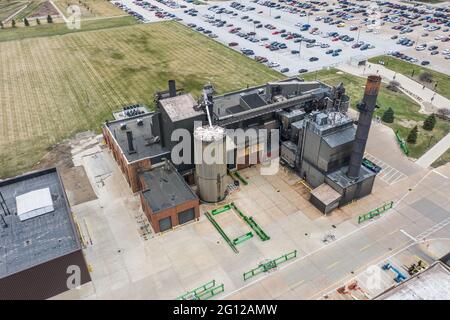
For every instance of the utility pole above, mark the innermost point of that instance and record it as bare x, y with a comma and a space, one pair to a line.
359, 32
300, 49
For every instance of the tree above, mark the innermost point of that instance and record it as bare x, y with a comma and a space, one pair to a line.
393, 85
426, 76
429, 122
1, 25
13, 23
38, 22
412, 136
444, 113
388, 116
49, 19
26, 22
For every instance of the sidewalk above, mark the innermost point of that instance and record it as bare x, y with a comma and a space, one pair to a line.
429, 100
434, 153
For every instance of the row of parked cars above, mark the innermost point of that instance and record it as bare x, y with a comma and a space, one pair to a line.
130, 11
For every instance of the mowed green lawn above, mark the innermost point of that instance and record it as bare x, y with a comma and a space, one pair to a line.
53, 87
406, 110
406, 68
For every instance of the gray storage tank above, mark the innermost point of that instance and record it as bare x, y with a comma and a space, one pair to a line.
210, 163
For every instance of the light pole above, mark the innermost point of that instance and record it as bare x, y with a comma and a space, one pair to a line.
359, 32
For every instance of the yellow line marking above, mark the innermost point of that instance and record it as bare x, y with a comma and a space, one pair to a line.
333, 264
297, 284
365, 247
392, 232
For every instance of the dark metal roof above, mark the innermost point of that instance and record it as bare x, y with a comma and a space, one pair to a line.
340, 137
166, 188
142, 137
24, 244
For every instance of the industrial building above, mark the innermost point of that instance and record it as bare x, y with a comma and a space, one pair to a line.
431, 284
315, 138
39, 243
166, 198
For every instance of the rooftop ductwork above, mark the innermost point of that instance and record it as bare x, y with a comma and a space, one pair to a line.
366, 108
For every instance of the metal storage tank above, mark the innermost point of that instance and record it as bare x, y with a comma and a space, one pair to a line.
210, 162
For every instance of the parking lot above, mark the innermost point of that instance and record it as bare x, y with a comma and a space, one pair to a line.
293, 36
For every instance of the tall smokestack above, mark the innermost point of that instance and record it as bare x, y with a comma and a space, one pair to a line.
366, 109
130, 142
172, 88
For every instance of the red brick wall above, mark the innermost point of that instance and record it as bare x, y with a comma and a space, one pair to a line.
172, 212
130, 171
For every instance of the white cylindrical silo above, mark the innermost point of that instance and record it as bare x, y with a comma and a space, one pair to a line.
210, 163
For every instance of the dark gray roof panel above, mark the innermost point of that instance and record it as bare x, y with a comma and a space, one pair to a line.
24, 244
166, 189
142, 137
339, 138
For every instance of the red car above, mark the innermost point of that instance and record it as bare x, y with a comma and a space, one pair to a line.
276, 32
233, 44
335, 39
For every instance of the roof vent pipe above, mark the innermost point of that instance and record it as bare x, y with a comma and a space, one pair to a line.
130, 142
172, 88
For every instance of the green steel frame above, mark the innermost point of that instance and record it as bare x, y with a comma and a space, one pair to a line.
221, 209
270, 265
222, 233
402, 143
238, 175
243, 238
375, 212
252, 223
204, 292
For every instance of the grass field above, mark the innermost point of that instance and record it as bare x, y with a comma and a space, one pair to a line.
9, 7
407, 68
54, 29
406, 110
53, 87
91, 8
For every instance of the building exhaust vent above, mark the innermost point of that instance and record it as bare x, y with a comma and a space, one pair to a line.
140, 122
130, 142
172, 88
123, 126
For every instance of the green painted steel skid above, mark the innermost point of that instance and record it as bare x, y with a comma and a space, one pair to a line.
402, 143
238, 175
375, 212
222, 233
270, 265
194, 293
243, 238
221, 209
203, 292
252, 223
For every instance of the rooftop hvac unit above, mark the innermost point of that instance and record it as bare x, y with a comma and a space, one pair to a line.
123, 126
140, 122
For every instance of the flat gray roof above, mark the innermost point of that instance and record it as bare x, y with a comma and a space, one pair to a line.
142, 137
24, 244
431, 284
166, 189
181, 107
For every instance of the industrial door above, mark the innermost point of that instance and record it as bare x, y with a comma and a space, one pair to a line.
186, 216
165, 224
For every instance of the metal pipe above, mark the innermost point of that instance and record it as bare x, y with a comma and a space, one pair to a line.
366, 109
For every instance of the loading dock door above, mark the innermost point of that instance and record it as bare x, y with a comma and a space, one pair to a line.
186, 216
165, 224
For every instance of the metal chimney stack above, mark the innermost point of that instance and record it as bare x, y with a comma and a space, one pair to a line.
366, 108
130, 142
172, 88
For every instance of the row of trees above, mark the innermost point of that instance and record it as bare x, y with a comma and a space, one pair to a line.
428, 124
26, 22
